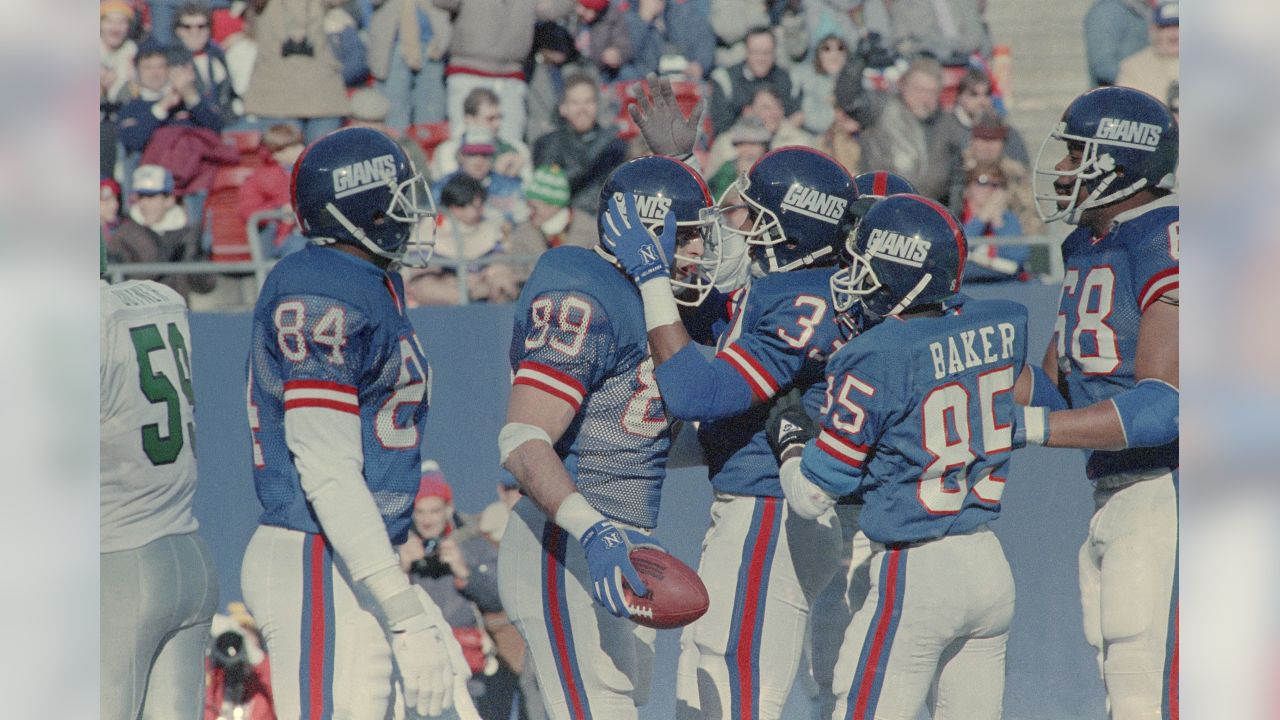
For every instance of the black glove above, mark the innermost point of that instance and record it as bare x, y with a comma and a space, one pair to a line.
788, 423
664, 127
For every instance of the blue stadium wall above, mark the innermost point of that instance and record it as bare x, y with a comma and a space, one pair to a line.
1052, 673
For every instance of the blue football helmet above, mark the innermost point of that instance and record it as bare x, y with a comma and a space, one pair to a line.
907, 252
357, 186
875, 185
1128, 142
799, 203
882, 183
660, 185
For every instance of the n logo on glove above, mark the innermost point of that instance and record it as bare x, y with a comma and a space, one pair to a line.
649, 254
611, 540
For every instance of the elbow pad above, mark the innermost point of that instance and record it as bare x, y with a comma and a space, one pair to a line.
1043, 392
694, 388
1149, 413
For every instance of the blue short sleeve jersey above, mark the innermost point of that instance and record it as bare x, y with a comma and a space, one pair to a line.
1109, 283
780, 336
329, 331
580, 335
918, 420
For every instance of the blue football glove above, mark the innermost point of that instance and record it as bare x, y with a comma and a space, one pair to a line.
608, 549
624, 235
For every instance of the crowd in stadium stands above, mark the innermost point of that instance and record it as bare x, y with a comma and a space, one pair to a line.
516, 111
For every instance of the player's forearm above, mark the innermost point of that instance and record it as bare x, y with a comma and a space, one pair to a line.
1096, 427
667, 334
541, 474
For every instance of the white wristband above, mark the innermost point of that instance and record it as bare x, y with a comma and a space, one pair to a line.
576, 515
659, 303
1036, 420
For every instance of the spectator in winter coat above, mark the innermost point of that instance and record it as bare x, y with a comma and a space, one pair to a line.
296, 76
988, 146
157, 231
166, 95
814, 83
192, 26
505, 194
602, 31
1113, 30
115, 50
668, 29
481, 111
268, 188
734, 87
491, 40
1154, 68
906, 138
586, 151
986, 213
766, 108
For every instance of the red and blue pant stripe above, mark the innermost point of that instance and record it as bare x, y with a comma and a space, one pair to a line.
1169, 704
556, 617
748, 608
868, 680
315, 669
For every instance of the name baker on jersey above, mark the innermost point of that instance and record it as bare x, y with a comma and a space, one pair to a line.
364, 175
961, 351
814, 203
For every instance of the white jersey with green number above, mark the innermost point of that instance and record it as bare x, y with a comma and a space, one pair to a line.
148, 464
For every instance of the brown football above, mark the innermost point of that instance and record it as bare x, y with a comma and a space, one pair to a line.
676, 596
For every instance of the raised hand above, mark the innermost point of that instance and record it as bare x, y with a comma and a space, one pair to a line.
665, 128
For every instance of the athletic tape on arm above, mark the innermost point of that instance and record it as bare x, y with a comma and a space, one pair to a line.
513, 435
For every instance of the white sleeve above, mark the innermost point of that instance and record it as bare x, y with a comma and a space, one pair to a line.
327, 452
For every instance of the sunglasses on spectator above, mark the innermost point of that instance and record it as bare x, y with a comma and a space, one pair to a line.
194, 26
832, 48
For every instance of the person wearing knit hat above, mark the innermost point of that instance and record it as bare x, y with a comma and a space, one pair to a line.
115, 50
548, 195
549, 186
603, 36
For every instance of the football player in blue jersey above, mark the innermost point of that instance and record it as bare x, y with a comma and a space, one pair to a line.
1115, 350
337, 398
833, 608
762, 565
917, 423
587, 438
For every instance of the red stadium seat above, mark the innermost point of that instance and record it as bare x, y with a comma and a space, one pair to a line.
222, 216
429, 135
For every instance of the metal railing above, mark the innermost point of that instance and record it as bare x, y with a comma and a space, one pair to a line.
260, 265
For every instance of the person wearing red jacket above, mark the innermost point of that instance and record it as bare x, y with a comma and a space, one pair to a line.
268, 189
